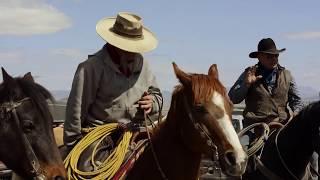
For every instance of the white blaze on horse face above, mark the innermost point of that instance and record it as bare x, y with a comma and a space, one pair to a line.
225, 124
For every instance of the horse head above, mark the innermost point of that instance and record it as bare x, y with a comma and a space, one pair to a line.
208, 109
26, 137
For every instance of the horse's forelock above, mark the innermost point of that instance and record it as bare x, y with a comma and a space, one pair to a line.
37, 93
203, 87
22, 88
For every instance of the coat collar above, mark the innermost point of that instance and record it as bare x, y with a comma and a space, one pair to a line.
104, 55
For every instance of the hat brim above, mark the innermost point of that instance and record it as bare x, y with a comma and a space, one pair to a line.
255, 53
146, 43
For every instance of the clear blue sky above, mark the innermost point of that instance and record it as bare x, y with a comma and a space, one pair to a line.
50, 38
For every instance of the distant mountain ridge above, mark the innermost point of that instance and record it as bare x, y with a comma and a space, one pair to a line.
61, 96
306, 93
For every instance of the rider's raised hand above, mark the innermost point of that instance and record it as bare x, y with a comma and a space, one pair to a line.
250, 76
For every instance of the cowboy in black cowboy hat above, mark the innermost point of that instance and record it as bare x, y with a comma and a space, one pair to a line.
268, 89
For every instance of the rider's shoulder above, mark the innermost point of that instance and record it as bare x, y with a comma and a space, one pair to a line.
93, 59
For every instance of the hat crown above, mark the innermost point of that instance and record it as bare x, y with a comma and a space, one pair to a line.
266, 44
128, 24
129, 20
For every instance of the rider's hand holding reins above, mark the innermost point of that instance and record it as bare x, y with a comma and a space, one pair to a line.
250, 76
145, 102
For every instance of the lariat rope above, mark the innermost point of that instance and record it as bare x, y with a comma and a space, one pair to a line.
106, 169
259, 143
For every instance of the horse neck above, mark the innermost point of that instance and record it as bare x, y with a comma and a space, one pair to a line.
173, 151
295, 144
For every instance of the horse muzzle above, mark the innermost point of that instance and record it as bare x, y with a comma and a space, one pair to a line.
234, 163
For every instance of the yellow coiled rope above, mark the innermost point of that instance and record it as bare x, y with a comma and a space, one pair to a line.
106, 169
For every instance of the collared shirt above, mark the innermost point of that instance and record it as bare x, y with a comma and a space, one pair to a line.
269, 77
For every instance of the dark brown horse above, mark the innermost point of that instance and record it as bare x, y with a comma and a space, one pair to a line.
198, 122
26, 136
287, 152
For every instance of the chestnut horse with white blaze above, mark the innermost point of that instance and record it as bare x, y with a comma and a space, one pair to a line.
198, 122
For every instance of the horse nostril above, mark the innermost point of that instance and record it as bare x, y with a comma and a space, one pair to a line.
59, 178
230, 158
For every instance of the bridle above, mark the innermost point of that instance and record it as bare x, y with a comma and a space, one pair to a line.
197, 126
8, 110
204, 134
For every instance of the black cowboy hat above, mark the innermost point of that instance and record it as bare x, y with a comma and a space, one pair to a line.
266, 46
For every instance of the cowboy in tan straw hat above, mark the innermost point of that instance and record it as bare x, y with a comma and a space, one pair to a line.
116, 83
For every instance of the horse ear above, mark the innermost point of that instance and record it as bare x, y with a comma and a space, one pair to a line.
183, 77
6, 76
213, 71
28, 77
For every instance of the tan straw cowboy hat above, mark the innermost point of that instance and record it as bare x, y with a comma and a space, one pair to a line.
127, 33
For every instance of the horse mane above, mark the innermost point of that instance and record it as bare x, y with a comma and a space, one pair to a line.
307, 116
37, 93
309, 110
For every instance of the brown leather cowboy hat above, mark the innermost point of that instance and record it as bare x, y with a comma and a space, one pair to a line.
267, 46
127, 33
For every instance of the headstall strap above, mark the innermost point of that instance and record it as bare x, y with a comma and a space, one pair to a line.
9, 106
202, 132
7, 110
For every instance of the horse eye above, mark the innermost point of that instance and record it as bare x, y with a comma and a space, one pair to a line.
200, 108
27, 126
